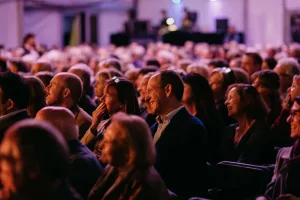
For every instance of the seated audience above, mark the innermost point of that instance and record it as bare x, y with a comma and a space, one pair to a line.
34, 163
37, 95
217, 63
200, 103
251, 62
84, 73
84, 167
65, 90
241, 75
248, 141
119, 95
287, 170
269, 63
267, 84
14, 97
219, 81
110, 63
17, 66
198, 68
177, 134
143, 72
132, 75
286, 68
128, 149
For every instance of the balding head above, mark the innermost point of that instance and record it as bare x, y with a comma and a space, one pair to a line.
61, 118
41, 66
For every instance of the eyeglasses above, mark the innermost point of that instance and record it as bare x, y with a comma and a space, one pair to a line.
293, 113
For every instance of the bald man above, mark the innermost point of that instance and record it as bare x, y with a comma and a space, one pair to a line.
65, 90
41, 66
84, 167
84, 73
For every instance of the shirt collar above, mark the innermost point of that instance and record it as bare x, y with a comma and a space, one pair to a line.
168, 117
11, 114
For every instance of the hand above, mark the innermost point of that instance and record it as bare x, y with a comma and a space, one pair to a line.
98, 115
287, 102
287, 197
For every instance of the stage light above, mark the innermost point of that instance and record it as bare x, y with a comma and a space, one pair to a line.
176, 1
170, 21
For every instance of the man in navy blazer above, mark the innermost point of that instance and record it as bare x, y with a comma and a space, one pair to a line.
180, 138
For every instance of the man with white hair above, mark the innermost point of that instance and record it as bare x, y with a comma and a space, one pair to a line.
84, 167
286, 68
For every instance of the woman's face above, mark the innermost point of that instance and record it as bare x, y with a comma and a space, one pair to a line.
187, 94
216, 82
114, 150
294, 90
99, 86
110, 99
233, 103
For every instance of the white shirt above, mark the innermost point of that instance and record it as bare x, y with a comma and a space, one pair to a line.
164, 122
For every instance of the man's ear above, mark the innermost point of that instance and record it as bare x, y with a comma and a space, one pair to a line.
66, 92
10, 104
168, 90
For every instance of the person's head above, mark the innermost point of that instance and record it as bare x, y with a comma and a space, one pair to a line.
93, 63
244, 101
29, 39
269, 63
16, 66
65, 89
41, 66
143, 72
142, 89
14, 93
198, 68
152, 63
251, 62
164, 89
132, 75
294, 90
294, 119
34, 157
37, 95
163, 13
201, 96
183, 64
110, 63
267, 84
62, 119
241, 75
165, 58
84, 73
101, 78
127, 143
286, 68
120, 95
235, 63
217, 63
219, 81
45, 77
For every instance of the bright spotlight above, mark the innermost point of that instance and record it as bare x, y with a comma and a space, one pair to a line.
176, 1
170, 21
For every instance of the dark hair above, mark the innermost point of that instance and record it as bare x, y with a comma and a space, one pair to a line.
37, 98
45, 77
254, 106
203, 96
297, 100
21, 66
271, 62
14, 87
153, 62
257, 60
126, 94
172, 78
147, 70
27, 37
218, 63
3, 65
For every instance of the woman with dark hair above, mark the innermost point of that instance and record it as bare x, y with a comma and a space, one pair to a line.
34, 163
119, 95
219, 81
267, 84
37, 98
248, 141
200, 103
